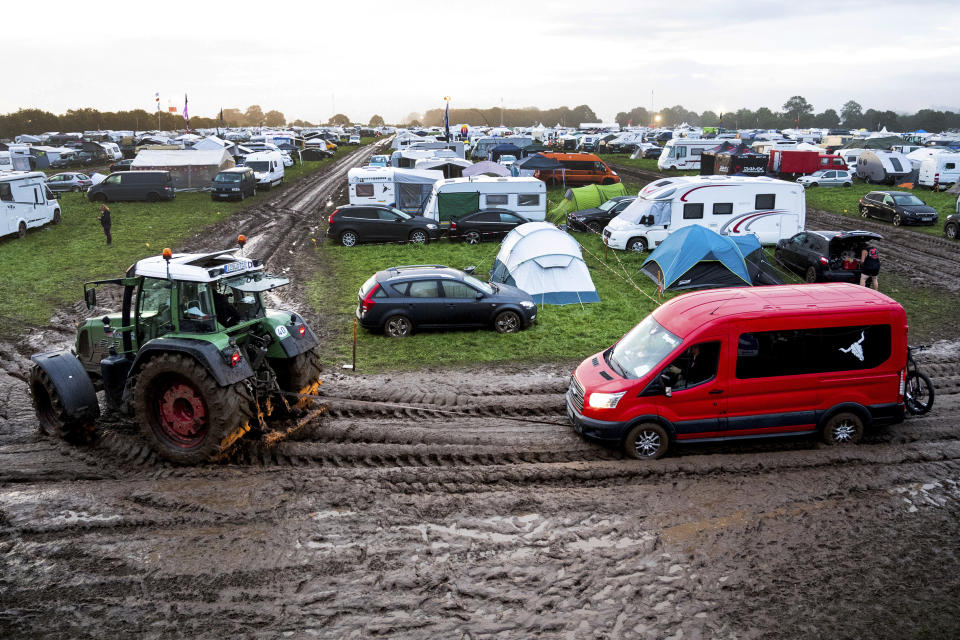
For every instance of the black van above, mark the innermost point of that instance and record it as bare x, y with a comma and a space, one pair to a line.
152, 186
238, 183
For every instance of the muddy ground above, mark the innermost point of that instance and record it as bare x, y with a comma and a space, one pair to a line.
469, 509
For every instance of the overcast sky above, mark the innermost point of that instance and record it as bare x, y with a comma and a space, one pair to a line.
394, 57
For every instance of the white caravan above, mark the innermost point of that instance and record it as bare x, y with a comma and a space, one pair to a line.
684, 153
524, 196
267, 167
405, 189
850, 157
941, 169
25, 202
730, 205
112, 149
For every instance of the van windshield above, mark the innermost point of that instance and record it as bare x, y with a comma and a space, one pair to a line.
643, 348
227, 177
259, 165
659, 209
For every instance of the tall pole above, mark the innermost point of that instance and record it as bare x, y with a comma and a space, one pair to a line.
501, 111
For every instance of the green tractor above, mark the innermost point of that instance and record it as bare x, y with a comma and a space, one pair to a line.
194, 355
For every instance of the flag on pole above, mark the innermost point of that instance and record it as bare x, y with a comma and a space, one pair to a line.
186, 114
446, 118
221, 116
158, 100
630, 122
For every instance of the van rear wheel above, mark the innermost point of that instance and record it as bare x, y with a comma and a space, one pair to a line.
153, 197
646, 441
22, 230
843, 428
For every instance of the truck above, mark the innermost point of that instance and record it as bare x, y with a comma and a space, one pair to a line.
193, 354
794, 162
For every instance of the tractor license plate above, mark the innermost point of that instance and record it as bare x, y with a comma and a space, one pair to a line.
239, 265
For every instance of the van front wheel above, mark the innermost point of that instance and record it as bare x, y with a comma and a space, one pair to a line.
843, 428
637, 245
646, 441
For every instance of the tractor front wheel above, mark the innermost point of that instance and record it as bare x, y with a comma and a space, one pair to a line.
184, 414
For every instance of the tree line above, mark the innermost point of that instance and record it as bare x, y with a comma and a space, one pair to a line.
494, 116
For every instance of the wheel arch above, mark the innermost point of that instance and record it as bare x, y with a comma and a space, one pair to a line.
657, 419
851, 407
204, 352
71, 382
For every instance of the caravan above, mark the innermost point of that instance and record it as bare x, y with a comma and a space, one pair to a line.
730, 205
457, 197
405, 189
939, 170
25, 202
683, 153
876, 166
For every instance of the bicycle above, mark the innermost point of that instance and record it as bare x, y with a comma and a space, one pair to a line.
918, 392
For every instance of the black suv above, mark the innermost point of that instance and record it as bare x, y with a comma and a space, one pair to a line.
355, 223
401, 299
596, 218
899, 207
825, 256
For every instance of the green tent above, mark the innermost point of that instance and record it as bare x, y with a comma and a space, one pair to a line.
451, 206
873, 143
592, 195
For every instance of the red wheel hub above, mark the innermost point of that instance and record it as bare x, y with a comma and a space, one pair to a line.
182, 414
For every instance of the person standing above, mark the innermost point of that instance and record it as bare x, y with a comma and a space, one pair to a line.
869, 265
105, 222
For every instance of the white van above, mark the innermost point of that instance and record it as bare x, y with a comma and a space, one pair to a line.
524, 196
942, 169
850, 157
267, 167
25, 202
683, 153
730, 205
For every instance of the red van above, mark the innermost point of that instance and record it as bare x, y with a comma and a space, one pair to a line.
578, 168
747, 363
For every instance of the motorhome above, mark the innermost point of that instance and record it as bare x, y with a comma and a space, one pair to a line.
267, 166
730, 205
405, 189
588, 143
25, 202
940, 170
456, 197
683, 153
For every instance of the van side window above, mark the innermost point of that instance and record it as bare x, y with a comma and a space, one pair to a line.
528, 200
681, 152
696, 365
765, 201
693, 211
768, 354
722, 208
950, 165
364, 190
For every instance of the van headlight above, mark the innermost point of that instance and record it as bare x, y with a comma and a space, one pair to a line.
605, 400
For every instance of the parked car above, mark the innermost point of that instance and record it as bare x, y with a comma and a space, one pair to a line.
287, 158
652, 151
827, 178
151, 186
487, 224
596, 218
898, 207
951, 228
401, 300
121, 165
508, 160
354, 140
825, 256
353, 224
379, 161
237, 182
69, 182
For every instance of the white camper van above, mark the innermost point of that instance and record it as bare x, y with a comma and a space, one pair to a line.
25, 202
730, 205
683, 153
405, 189
267, 167
942, 170
524, 196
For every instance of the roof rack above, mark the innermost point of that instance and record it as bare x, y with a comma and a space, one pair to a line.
418, 266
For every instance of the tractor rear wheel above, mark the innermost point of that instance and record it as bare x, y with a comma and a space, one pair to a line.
299, 374
184, 414
54, 420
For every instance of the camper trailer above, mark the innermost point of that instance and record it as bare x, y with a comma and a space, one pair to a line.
267, 166
939, 170
730, 205
683, 153
456, 197
876, 166
25, 202
405, 189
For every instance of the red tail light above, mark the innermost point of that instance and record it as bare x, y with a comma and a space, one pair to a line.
901, 390
453, 226
368, 301
330, 219
235, 358
824, 260
302, 330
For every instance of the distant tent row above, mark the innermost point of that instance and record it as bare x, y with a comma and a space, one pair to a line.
732, 159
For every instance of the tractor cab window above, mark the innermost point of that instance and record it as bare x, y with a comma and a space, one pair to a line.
233, 306
196, 308
153, 309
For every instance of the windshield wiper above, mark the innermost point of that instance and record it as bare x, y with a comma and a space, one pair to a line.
608, 356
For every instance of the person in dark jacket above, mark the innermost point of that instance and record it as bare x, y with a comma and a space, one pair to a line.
869, 266
105, 222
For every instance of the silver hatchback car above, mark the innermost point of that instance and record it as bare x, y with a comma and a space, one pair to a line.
827, 178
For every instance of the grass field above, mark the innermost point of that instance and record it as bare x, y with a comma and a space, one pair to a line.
845, 201
48, 267
561, 333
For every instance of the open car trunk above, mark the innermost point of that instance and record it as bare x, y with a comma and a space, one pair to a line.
846, 248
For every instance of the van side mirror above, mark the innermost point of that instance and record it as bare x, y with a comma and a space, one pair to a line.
667, 389
90, 298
